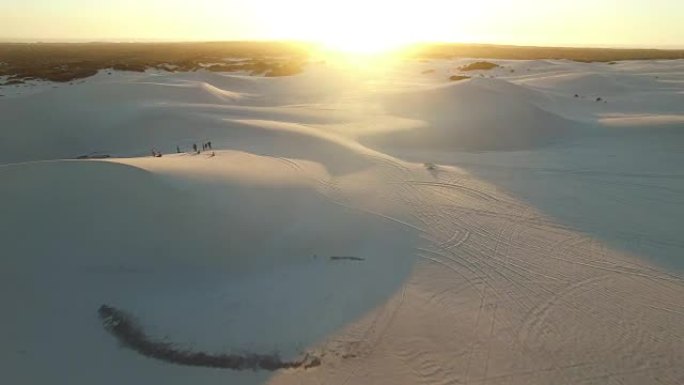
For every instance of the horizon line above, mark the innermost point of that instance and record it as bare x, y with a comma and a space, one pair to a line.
295, 41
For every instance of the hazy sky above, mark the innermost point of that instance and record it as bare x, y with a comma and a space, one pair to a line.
658, 23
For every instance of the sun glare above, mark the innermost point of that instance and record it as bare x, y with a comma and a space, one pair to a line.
362, 46
371, 28
362, 27
365, 39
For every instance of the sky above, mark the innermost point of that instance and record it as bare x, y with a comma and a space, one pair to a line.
351, 24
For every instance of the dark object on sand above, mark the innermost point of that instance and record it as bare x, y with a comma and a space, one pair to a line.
479, 65
94, 156
346, 258
599, 99
127, 331
455, 78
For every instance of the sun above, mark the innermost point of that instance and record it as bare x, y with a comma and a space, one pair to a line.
368, 26
362, 46
359, 27
365, 40
371, 28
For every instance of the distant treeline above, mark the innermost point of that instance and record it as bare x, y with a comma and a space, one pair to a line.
64, 62
539, 53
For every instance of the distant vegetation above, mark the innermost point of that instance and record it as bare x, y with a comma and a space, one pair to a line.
486, 51
67, 62
479, 66
455, 78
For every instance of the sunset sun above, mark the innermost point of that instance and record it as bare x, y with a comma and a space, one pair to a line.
370, 29
363, 27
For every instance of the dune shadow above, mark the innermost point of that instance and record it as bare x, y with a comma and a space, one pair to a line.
224, 275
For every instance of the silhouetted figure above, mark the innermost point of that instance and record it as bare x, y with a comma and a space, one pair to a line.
177, 149
194, 147
209, 145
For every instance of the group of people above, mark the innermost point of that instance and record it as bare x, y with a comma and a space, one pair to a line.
205, 146
195, 148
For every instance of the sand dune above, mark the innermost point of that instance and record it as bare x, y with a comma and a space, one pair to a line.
641, 120
398, 227
472, 115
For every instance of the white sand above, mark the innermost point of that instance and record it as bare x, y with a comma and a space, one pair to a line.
509, 266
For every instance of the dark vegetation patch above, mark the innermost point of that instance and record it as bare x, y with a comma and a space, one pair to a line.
127, 331
60, 73
130, 67
67, 62
284, 69
346, 258
456, 78
479, 66
488, 51
94, 156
